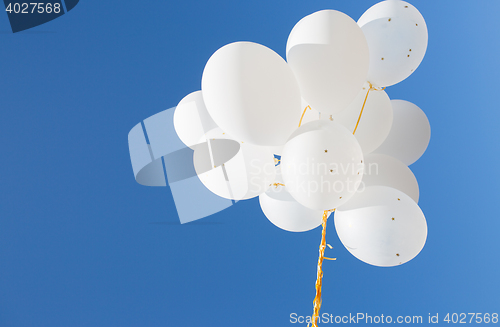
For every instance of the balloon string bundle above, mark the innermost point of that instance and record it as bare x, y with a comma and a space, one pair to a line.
371, 88
319, 278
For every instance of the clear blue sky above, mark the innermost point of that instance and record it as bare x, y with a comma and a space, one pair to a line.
82, 244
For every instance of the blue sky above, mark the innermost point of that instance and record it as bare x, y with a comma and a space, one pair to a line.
82, 244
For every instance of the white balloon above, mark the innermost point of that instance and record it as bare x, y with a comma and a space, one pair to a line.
397, 38
191, 119
381, 226
410, 133
233, 170
375, 122
251, 93
328, 53
283, 211
384, 170
322, 165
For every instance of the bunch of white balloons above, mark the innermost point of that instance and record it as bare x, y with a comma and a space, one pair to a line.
244, 128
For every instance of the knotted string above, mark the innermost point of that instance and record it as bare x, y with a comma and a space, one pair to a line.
371, 88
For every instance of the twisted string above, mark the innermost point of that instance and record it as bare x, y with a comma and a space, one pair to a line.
319, 278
